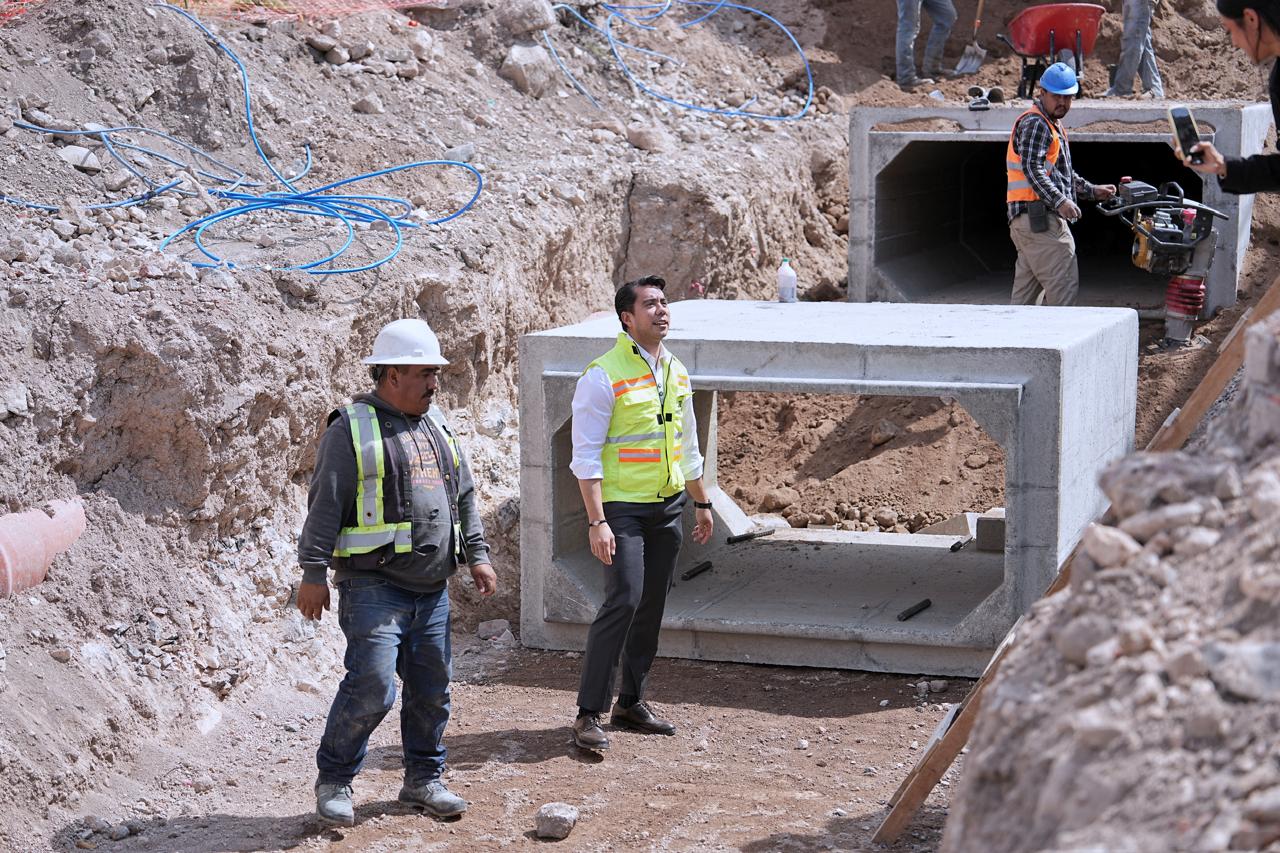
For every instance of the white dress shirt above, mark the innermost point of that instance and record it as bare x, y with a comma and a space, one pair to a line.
593, 409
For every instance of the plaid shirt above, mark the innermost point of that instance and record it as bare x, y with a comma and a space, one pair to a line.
1031, 141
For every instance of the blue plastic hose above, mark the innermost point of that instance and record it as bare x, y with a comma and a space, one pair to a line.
642, 16
347, 209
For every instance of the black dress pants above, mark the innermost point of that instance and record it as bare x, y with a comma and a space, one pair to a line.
625, 630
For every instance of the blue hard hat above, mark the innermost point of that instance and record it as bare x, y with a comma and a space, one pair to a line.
1060, 79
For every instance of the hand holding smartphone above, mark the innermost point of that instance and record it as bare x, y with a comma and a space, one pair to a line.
1186, 133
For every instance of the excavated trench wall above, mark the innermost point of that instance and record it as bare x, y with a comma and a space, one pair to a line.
927, 211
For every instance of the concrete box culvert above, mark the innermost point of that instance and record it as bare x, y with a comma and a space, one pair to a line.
1057, 390
927, 212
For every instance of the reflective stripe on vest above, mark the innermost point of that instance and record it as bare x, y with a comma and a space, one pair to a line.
1020, 188
371, 531
642, 451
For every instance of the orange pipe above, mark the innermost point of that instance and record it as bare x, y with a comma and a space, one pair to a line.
30, 540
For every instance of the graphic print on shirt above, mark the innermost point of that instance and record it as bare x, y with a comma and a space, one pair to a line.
424, 470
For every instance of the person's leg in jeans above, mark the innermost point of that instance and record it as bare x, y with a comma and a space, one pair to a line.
943, 13
908, 26
623, 584
425, 668
373, 615
1136, 35
664, 532
1148, 72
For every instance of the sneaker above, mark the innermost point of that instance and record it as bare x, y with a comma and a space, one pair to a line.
588, 733
435, 798
913, 83
333, 804
640, 718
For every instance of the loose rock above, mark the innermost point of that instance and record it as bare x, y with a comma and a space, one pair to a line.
369, 105
491, 629
1109, 547
883, 432
556, 820
81, 158
529, 68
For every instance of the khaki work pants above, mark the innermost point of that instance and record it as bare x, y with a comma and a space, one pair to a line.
1046, 262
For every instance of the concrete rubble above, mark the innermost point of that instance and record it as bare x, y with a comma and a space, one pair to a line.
1153, 682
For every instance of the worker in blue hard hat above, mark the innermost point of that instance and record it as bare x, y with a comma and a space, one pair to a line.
1042, 195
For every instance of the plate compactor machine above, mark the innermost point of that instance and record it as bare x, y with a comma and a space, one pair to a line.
1174, 236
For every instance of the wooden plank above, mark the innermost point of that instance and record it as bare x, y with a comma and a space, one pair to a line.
922, 779
926, 775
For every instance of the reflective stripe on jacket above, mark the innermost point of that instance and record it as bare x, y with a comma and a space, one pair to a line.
1020, 188
372, 530
641, 455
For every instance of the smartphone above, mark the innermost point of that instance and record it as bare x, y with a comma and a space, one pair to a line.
1185, 131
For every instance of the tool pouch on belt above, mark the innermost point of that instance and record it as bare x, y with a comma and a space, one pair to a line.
1038, 216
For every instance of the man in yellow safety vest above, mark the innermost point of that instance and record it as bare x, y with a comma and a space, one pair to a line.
392, 510
1042, 193
635, 452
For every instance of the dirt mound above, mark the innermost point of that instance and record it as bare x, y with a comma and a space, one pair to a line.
820, 459
1138, 709
183, 406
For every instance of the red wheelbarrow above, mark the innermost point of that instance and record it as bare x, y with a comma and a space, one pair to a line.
1037, 34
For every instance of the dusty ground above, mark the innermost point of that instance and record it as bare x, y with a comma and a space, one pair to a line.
822, 753
183, 410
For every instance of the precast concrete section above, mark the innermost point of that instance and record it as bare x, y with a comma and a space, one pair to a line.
927, 218
1056, 388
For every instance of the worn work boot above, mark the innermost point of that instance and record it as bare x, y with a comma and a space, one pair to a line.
333, 804
435, 798
910, 84
588, 733
640, 718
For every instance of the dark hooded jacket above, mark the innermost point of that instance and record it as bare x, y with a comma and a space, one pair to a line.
331, 505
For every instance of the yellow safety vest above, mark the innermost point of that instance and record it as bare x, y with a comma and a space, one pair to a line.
1020, 188
372, 531
641, 456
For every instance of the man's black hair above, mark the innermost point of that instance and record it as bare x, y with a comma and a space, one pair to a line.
1268, 11
625, 298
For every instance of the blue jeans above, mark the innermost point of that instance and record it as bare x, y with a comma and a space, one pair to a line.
389, 630
1136, 53
943, 14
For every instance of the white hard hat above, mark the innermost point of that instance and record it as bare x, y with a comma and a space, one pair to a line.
406, 342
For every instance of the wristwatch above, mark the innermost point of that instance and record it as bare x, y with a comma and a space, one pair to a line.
701, 505
597, 523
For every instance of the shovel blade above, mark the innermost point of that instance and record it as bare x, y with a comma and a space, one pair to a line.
971, 60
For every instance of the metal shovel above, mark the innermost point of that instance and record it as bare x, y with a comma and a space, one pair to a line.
974, 53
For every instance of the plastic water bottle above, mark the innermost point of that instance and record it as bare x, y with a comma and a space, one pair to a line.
786, 282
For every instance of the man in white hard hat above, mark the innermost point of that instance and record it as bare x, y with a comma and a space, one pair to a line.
392, 511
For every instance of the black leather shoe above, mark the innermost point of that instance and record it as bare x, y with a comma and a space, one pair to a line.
588, 733
640, 718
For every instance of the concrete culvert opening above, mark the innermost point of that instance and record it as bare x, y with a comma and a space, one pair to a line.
876, 491
927, 186
942, 233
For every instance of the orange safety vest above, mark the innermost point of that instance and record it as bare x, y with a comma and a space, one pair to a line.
1020, 188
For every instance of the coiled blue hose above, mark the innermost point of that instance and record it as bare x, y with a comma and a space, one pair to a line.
641, 16
348, 210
